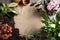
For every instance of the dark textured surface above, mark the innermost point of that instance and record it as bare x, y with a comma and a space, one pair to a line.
10, 20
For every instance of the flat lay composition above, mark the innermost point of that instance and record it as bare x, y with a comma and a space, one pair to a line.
29, 20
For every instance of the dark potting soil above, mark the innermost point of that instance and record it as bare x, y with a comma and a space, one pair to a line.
10, 21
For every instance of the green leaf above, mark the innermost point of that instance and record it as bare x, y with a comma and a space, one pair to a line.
46, 17
12, 4
45, 22
58, 16
4, 9
49, 35
4, 5
15, 12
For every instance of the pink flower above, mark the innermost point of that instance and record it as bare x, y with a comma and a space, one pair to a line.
52, 5
10, 29
56, 8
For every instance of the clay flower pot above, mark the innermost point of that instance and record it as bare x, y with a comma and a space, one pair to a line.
17, 1
25, 2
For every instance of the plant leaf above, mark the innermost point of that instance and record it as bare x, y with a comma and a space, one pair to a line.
12, 4
4, 5
58, 16
13, 11
46, 17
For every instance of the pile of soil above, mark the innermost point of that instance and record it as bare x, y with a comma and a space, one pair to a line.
10, 21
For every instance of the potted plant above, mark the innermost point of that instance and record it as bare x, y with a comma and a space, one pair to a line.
52, 27
5, 11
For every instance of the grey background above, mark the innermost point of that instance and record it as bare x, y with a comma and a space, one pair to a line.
8, 1
33, 0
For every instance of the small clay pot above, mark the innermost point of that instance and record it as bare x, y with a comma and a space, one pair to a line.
25, 2
17, 1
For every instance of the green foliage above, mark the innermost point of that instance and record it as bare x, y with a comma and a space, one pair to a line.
12, 4
46, 19
58, 16
5, 10
52, 26
34, 36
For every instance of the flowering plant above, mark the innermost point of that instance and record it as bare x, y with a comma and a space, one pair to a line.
52, 26
5, 31
51, 6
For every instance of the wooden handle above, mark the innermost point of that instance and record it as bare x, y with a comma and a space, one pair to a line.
25, 2
17, 1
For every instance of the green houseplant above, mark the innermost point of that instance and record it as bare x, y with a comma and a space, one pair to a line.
6, 10
52, 27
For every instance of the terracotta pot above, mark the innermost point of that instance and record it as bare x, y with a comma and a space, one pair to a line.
17, 1
25, 2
